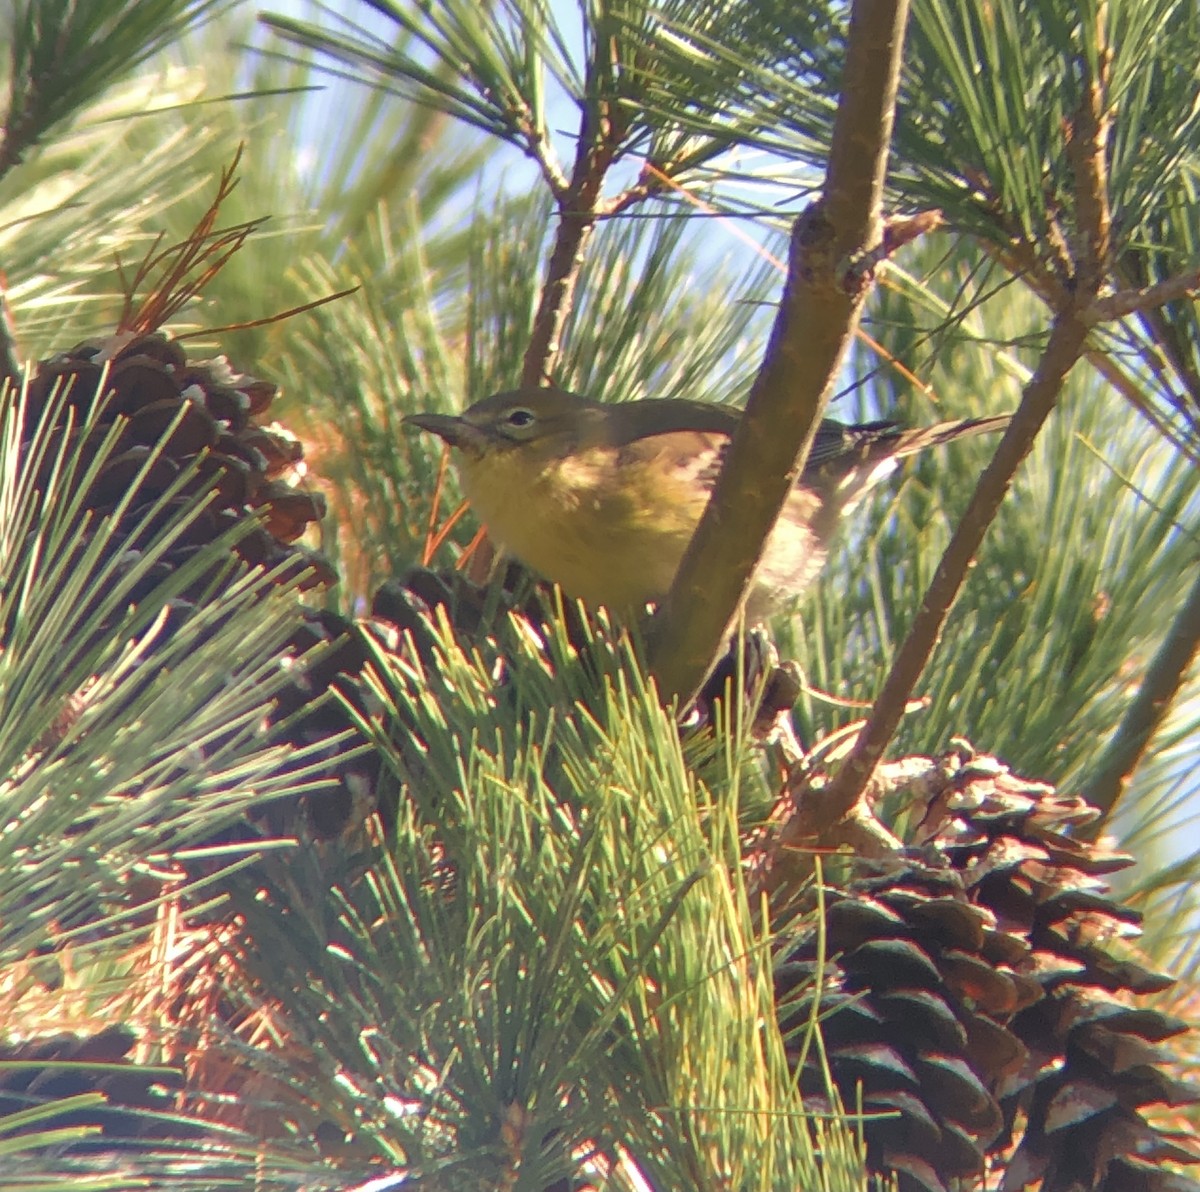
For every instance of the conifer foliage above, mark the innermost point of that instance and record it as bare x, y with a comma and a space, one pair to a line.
337, 853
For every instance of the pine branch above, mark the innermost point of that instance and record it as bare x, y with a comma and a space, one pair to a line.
577, 213
1066, 345
603, 128
65, 55
822, 299
843, 795
1022, 261
1087, 149
1146, 714
1146, 298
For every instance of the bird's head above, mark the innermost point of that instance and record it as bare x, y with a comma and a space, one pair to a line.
535, 423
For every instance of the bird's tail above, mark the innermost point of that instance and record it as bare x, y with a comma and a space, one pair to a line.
848, 461
847, 448
897, 443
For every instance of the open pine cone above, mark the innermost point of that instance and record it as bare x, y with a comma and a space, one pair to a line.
973, 996
218, 418
182, 414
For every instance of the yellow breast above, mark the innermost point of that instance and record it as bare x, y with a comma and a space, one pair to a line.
608, 525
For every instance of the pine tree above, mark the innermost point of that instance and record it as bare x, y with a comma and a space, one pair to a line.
415, 877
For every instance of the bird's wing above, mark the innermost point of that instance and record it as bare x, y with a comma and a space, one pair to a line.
654, 417
652, 428
835, 441
687, 456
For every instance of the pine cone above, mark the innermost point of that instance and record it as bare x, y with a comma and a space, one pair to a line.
1092, 1063
311, 711
133, 1094
217, 416
916, 999
201, 414
310, 715
970, 994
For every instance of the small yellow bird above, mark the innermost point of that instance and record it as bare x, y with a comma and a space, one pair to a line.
603, 498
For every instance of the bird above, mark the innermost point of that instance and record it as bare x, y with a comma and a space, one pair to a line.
603, 498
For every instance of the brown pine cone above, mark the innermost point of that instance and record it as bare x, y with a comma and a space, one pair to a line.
975, 992
215, 420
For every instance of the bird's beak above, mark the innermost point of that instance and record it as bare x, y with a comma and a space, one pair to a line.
456, 431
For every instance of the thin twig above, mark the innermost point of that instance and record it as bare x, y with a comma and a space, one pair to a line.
1146, 713
1128, 302
1020, 259
899, 230
581, 206
267, 320
650, 183
1021, 262
539, 147
822, 300
601, 129
1087, 152
576, 223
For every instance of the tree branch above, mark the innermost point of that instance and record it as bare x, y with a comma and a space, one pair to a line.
1021, 262
576, 221
538, 147
602, 128
822, 299
1145, 715
1087, 151
1075, 309
1143, 298
1063, 349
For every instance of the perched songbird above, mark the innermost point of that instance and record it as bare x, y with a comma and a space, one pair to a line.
603, 499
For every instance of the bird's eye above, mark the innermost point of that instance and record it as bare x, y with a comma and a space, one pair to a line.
519, 419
